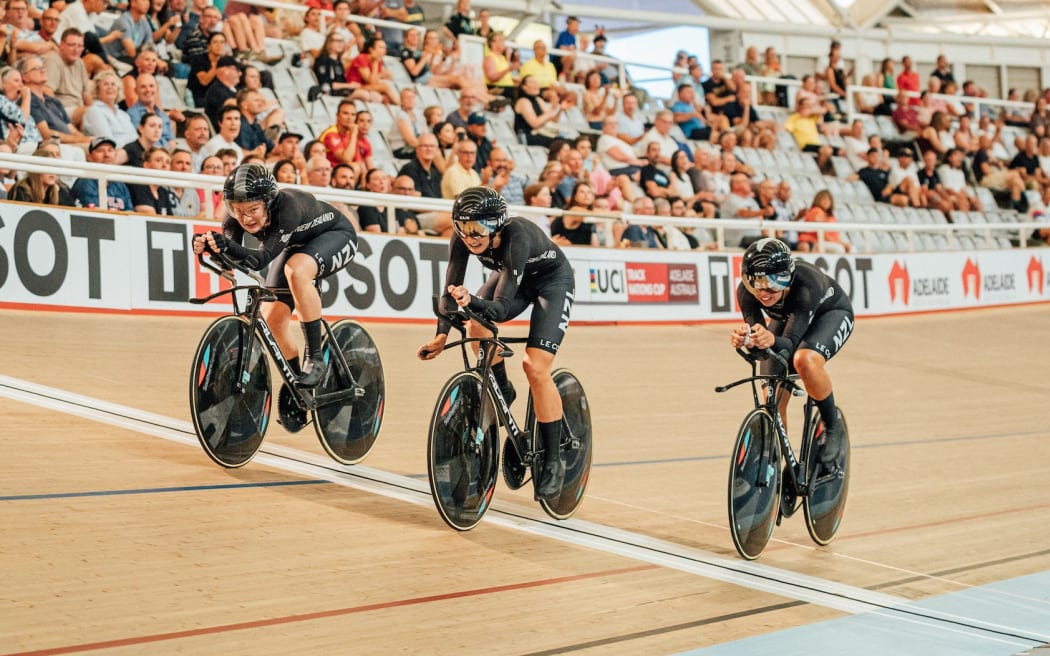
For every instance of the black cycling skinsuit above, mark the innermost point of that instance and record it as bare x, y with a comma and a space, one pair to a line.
299, 223
530, 270
815, 313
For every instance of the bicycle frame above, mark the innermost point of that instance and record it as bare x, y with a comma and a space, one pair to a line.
488, 349
780, 384
257, 295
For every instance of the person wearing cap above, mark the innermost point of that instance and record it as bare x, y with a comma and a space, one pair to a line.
223, 88
477, 131
102, 150
287, 148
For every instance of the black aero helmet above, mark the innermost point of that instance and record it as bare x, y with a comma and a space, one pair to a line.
250, 182
767, 265
479, 211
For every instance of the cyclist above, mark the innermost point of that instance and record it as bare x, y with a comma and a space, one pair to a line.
530, 270
302, 239
810, 315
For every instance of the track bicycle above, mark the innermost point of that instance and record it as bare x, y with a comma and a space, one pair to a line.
463, 449
762, 489
230, 393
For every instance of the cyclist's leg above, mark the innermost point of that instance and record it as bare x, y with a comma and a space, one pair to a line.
499, 368
279, 313
550, 319
822, 341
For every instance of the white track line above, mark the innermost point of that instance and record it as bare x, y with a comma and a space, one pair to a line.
752, 575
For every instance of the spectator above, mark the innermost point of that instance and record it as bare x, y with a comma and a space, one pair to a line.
638, 235
477, 130
660, 133
596, 100
222, 89
146, 61
331, 75
212, 165
83, 15
367, 69
133, 153
318, 171
85, 190
47, 112
500, 175
24, 41
540, 68
991, 172
1026, 164
718, 89
104, 118
42, 188
406, 219
740, 117
751, 66
196, 134
770, 68
908, 80
805, 125
631, 124
931, 190
571, 228
534, 117
1039, 119
460, 174
409, 125
954, 182
271, 116
822, 211
654, 180
155, 199
135, 31
252, 138
904, 177
681, 187
876, 176
566, 40
943, 70
867, 102
205, 66
467, 102
149, 103
425, 175
342, 176
189, 202
740, 203
965, 139
444, 71
285, 171
538, 195
68, 77
836, 75
500, 67
230, 158
311, 39
615, 154
229, 129
362, 161
855, 145
786, 210
484, 27
551, 176
906, 116
194, 37
374, 219
689, 114
937, 136
340, 139
459, 22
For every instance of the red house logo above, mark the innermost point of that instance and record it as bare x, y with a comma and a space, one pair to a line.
1035, 275
899, 282
971, 279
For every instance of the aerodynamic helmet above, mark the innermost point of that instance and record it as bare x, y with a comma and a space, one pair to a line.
479, 211
767, 265
250, 182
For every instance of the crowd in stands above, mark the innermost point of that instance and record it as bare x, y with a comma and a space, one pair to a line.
408, 115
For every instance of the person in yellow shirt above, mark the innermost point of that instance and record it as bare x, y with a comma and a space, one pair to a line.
460, 174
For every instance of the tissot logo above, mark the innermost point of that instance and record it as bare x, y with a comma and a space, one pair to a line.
971, 279
1036, 276
900, 283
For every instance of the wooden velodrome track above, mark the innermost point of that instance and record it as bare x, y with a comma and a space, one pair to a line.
121, 537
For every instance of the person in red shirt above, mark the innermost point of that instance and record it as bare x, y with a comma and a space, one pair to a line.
908, 80
367, 70
340, 140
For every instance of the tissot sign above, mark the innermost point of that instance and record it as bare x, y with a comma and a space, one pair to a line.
95, 260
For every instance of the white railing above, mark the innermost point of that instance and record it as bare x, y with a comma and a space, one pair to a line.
391, 202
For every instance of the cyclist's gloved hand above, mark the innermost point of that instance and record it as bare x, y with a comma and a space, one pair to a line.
221, 243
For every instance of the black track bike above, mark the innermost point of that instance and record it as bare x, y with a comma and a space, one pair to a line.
766, 482
230, 393
463, 444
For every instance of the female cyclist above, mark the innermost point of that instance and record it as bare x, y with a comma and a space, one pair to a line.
302, 239
810, 318
529, 270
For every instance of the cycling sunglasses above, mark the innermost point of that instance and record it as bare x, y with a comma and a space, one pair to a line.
476, 228
771, 282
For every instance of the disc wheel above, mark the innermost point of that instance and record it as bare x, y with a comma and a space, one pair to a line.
825, 504
230, 424
463, 452
576, 446
754, 484
348, 429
